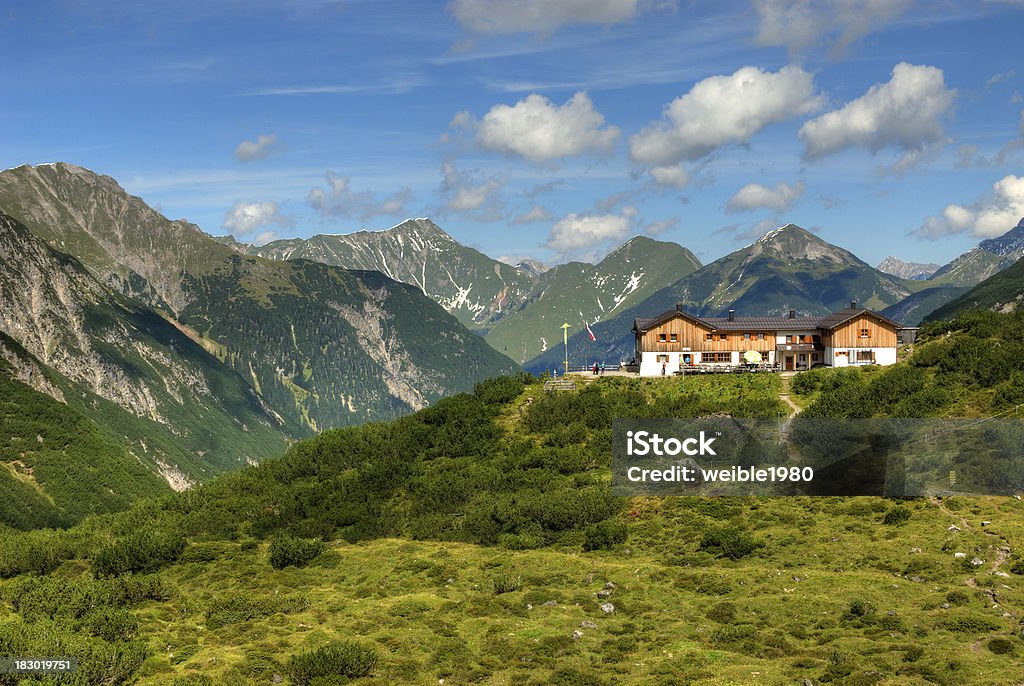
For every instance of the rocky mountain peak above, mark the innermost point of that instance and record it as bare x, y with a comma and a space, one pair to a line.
791, 242
1010, 243
915, 271
531, 266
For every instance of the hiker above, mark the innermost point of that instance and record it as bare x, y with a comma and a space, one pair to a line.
602, 367
595, 369
664, 367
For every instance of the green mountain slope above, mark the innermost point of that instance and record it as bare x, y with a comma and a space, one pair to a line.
1002, 292
478, 290
989, 258
56, 464
789, 268
157, 386
577, 293
913, 309
322, 346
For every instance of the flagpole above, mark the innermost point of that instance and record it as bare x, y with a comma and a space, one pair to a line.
565, 340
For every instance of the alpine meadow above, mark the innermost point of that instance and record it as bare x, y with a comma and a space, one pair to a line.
535, 343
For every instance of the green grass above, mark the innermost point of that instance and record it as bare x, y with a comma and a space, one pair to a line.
719, 591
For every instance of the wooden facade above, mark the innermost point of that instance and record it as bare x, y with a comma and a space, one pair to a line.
683, 334
851, 334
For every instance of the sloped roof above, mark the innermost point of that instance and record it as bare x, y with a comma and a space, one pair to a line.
830, 321
762, 323
842, 316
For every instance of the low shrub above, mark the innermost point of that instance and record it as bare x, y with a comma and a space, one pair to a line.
897, 515
732, 542
144, 551
287, 550
505, 582
337, 659
604, 535
1001, 646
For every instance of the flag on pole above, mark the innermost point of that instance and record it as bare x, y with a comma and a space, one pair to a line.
589, 332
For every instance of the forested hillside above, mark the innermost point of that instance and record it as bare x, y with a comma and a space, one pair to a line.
477, 541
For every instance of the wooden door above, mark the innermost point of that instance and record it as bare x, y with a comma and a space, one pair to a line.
789, 363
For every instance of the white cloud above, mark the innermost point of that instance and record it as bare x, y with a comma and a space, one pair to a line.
544, 16
987, 217
1000, 77
905, 113
584, 233
724, 109
802, 24
468, 191
537, 213
539, 130
754, 196
674, 176
245, 218
339, 200
263, 147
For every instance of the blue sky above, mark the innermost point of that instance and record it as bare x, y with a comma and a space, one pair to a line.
554, 129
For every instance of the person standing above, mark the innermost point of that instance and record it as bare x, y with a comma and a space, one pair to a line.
664, 368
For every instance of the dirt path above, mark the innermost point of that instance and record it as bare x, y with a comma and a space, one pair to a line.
784, 397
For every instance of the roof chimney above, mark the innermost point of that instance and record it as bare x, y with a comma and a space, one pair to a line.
853, 304
792, 314
679, 307
732, 315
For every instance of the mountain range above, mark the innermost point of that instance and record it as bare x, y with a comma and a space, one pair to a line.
223, 357
518, 309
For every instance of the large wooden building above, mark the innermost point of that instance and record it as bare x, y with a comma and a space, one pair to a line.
676, 339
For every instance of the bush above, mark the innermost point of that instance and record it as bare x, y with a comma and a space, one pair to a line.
112, 624
729, 541
970, 625
604, 535
1001, 646
288, 550
144, 551
505, 583
339, 658
897, 515
723, 613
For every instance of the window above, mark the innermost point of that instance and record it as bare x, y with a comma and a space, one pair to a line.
760, 336
709, 337
662, 358
723, 337
662, 338
746, 336
865, 333
675, 338
716, 357
789, 339
865, 355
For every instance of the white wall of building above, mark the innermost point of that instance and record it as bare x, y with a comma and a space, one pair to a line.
883, 356
651, 366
